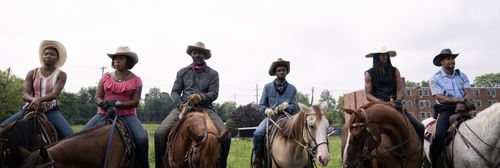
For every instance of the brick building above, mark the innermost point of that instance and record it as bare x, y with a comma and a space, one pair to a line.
419, 101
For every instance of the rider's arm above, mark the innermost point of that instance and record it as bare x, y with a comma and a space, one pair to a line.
400, 87
28, 87
99, 93
175, 95
136, 98
263, 103
213, 89
292, 105
369, 89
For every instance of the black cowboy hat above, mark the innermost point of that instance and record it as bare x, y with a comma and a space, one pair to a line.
276, 64
444, 53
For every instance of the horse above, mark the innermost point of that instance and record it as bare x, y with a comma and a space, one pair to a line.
476, 143
379, 136
298, 140
21, 137
194, 141
90, 148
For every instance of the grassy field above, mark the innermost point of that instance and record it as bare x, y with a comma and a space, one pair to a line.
239, 155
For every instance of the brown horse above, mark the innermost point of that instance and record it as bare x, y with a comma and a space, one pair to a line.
19, 138
380, 136
298, 139
85, 149
194, 142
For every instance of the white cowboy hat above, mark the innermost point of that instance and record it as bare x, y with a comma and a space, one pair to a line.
125, 51
381, 50
276, 64
61, 50
200, 47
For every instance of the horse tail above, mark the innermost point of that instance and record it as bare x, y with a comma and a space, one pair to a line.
210, 149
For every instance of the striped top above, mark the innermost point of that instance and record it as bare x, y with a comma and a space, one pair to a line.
43, 85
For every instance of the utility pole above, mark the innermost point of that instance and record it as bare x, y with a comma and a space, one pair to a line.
256, 93
102, 70
8, 72
312, 96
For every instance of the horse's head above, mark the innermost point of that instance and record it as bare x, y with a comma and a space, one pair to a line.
316, 127
362, 138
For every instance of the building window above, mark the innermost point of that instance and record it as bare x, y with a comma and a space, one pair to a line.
477, 103
425, 103
425, 115
491, 102
408, 92
409, 104
423, 92
491, 92
475, 92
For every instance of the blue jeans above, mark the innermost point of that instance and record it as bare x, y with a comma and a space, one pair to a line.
55, 117
258, 136
438, 144
139, 135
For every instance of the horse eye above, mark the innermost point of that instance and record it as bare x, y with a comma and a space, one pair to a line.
312, 127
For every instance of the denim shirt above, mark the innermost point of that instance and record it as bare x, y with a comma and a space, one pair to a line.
187, 82
452, 87
271, 99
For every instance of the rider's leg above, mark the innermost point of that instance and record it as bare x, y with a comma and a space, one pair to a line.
12, 118
258, 141
140, 139
225, 142
93, 121
60, 123
161, 136
437, 144
419, 127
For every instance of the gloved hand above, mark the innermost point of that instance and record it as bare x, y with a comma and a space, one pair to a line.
182, 106
107, 103
195, 98
282, 107
469, 104
270, 112
111, 110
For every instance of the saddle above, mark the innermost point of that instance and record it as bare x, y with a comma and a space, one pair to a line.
455, 121
125, 137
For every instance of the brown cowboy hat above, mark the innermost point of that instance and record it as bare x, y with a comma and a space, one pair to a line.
200, 47
276, 64
442, 55
61, 50
125, 51
381, 50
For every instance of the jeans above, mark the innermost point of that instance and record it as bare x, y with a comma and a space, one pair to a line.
437, 144
138, 133
54, 116
161, 136
258, 136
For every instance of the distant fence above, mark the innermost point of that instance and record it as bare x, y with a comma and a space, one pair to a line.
246, 131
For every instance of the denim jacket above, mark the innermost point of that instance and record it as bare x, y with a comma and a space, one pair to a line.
187, 82
271, 99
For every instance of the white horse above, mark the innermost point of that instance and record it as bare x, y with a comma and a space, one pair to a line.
480, 146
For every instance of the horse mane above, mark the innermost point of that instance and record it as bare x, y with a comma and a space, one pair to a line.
293, 127
209, 149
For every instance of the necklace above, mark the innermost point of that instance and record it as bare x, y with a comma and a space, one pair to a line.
121, 78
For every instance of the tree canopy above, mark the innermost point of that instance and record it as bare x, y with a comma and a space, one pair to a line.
488, 80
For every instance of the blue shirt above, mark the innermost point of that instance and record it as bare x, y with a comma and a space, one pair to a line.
451, 86
271, 99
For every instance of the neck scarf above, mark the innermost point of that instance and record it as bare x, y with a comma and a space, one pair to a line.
280, 86
198, 68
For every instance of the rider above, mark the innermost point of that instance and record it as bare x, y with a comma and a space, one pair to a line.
121, 89
383, 83
194, 82
43, 85
450, 87
277, 97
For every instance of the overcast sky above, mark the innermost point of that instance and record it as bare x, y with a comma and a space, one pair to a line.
325, 41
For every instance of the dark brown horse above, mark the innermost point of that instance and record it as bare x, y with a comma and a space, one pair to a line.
377, 135
19, 138
85, 149
194, 142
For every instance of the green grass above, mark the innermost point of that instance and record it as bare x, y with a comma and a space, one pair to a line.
241, 149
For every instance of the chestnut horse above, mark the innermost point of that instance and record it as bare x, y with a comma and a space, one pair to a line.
476, 143
21, 137
194, 142
380, 136
86, 149
299, 138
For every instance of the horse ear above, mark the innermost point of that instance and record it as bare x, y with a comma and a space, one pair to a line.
8, 127
303, 107
349, 111
224, 133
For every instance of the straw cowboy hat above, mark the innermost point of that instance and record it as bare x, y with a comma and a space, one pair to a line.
276, 64
125, 51
200, 47
381, 50
442, 55
61, 50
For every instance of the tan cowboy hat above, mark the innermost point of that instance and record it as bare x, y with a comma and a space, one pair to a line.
125, 51
381, 50
200, 47
276, 64
442, 55
61, 50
